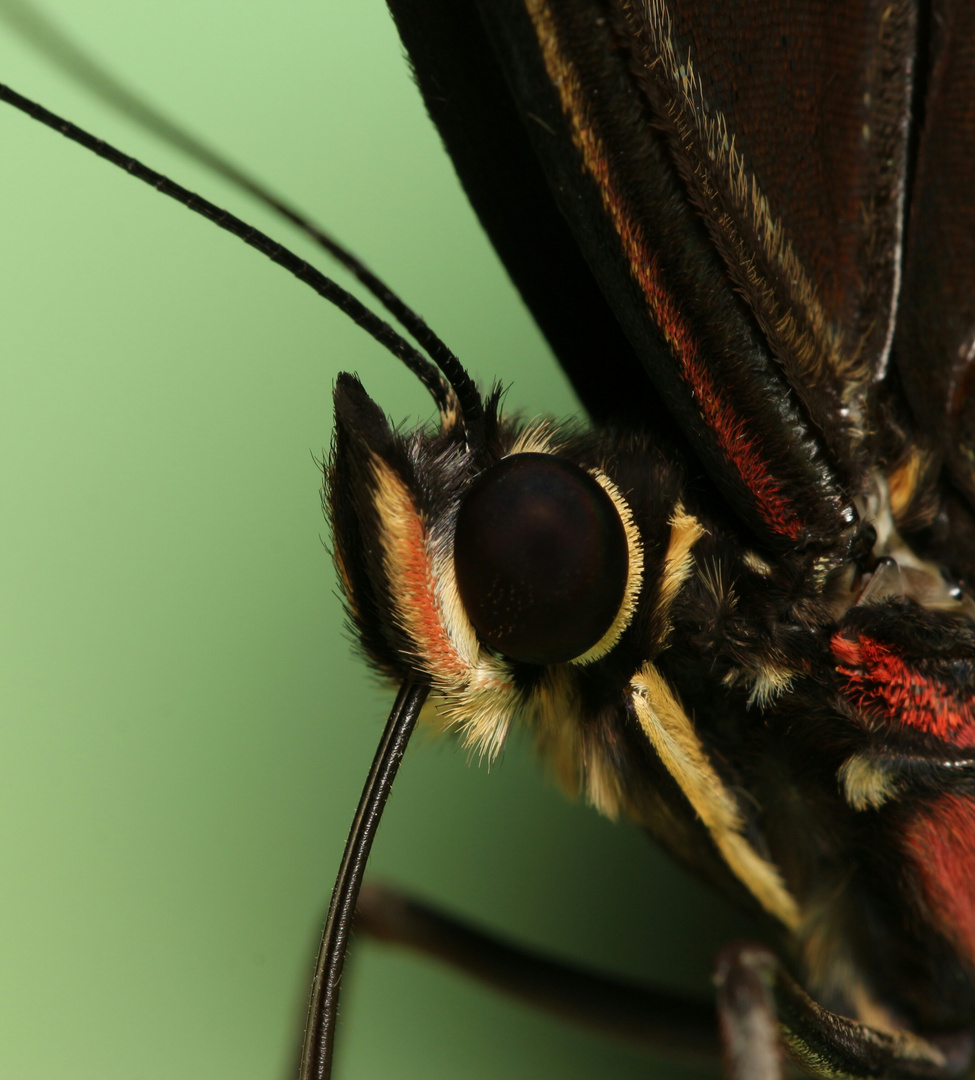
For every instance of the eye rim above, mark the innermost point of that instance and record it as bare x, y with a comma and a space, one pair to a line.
634, 573
632, 584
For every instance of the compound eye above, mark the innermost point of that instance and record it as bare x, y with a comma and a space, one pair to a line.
541, 558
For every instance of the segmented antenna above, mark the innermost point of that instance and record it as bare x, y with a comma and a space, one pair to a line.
455, 386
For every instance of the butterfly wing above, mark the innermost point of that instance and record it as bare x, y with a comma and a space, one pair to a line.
935, 338
735, 179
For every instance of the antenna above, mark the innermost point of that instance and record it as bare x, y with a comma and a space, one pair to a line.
458, 388
48, 39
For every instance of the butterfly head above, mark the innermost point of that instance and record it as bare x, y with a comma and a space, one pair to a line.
487, 559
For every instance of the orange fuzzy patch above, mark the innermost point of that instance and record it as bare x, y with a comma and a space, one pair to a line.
407, 563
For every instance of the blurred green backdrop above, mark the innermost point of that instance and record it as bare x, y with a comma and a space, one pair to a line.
185, 726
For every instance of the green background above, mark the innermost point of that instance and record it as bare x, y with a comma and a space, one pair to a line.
185, 726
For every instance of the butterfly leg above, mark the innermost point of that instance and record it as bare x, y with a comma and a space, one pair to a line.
681, 1027
761, 1008
750, 1038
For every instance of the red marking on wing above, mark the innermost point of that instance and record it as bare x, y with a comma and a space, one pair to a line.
877, 681
940, 842
729, 429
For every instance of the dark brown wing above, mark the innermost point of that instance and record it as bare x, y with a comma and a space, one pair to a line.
468, 98
734, 178
935, 342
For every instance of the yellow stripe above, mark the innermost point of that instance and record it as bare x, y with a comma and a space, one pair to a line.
685, 531
672, 736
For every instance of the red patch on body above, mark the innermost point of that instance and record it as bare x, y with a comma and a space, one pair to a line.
940, 843
880, 683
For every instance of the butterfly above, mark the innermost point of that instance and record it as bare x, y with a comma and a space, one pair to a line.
140, 784
769, 501
774, 207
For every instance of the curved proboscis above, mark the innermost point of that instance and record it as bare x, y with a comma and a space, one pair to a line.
319, 1041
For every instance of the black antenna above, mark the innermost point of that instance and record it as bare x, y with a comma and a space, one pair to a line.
46, 37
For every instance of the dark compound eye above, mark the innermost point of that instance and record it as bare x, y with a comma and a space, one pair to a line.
541, 558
